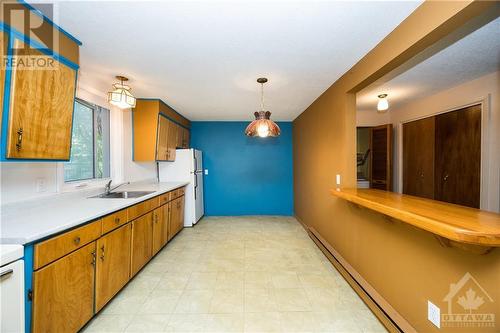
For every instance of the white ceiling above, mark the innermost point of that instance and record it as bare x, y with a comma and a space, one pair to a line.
473, 56
203, 57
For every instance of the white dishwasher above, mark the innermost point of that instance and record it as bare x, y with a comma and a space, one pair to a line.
11, 289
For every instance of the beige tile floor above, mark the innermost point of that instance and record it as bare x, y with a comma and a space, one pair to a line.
238, 274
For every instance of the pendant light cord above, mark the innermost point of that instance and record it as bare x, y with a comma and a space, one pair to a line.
262, 96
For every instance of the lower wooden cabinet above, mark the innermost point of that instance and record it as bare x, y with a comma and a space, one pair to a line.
142, 242
113, 264
161, 216
176, 217
63, 293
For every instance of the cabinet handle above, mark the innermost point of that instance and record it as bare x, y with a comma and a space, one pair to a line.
93, 258
102, 253
76, 240
117, 220
445, 178
19, 143
6, 273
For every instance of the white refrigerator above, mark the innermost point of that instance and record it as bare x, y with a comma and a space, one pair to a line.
188, 167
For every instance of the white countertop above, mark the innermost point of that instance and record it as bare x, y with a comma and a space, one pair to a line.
31, 220
10, 253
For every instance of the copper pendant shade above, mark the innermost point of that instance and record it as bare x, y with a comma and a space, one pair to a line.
262, 126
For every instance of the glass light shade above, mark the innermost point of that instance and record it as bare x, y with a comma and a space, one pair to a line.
383, 104
121, 96
263, 126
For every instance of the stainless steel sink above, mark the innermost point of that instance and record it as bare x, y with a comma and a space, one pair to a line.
123, 195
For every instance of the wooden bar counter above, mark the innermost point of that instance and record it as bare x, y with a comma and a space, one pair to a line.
453, 222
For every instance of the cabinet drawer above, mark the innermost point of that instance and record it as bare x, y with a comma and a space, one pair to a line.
114, 220
177, 193
164, 198
142, 208
57, 247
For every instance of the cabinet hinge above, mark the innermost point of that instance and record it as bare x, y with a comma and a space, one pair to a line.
30, 294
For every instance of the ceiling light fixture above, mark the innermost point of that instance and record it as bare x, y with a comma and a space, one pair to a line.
121, 96
262, 126
383, 103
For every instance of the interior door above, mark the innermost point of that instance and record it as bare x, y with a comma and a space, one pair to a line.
113, 264
418, 157
381, 157
458, 156
63, 292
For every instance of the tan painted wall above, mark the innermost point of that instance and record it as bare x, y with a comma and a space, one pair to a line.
404, 265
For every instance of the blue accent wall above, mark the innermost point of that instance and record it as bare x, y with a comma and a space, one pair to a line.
246, 176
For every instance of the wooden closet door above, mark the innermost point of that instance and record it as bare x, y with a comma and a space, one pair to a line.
458, 156
418, 158
381, 157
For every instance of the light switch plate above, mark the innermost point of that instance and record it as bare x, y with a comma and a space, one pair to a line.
434, 314
206, 171
40, 185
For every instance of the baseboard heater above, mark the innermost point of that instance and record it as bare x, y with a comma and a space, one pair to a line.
385, 313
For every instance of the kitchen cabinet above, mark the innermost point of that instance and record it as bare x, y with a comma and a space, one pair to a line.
182, 137
63, 292
142, 242
160, 227
162, 152
3, 46
113, 264
173, 129
78, 272
176, 216
37, 102
157, 131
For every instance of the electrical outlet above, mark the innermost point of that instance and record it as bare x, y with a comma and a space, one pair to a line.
40, 185
206, 171
434, 314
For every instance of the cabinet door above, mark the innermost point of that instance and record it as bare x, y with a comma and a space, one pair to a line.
3, 53
418, 158
41, 110
172, 140
180, 136
177, 216
113, 264
142, 242
159, 229
162, 140
185, 142
63, 292
458, 156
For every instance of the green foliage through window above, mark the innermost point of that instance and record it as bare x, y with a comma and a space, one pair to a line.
89, 144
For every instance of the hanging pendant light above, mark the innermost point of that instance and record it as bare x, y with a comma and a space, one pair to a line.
383, 103
121, 95
262, 126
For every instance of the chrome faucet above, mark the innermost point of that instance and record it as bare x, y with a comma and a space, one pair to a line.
108, 189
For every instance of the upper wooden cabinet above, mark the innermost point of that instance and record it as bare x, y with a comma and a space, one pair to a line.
37, 89
41, 109
158, 131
